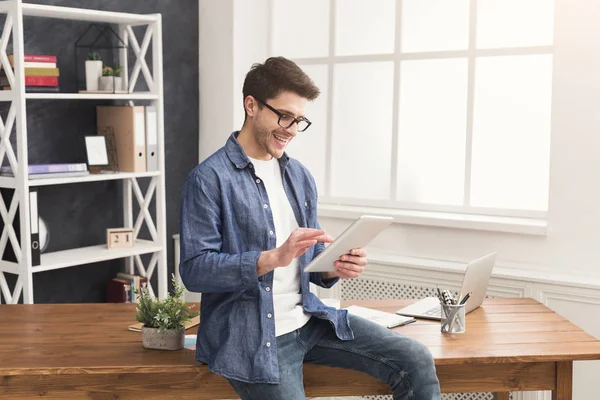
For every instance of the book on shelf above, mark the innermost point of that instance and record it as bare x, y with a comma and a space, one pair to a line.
30, 71
42, 58
57, 175
118, 291
41, 80
134, 281
37, 89
34, 169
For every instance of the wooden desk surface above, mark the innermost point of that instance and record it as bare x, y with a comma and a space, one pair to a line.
59, 344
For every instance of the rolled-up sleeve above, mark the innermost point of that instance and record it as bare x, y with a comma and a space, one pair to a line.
203, 267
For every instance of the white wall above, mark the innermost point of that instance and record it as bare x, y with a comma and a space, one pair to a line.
233, 36
216, 73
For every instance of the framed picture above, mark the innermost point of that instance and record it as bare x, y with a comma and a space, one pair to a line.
101, 152
95, 147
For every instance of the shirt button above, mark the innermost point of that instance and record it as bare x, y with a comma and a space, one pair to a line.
268, 289
268, 344
265, 206
258, 181
271, 233
249, 165
305, 204
269, 315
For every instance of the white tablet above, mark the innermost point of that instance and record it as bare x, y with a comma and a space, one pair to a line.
359, 234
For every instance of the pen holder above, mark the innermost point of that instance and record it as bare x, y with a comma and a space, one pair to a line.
453, 318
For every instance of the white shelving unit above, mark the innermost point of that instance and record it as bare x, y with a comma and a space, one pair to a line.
15, 10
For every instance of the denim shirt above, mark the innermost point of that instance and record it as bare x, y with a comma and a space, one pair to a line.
226, 222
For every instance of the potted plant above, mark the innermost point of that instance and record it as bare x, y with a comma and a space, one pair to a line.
111, 78
163, 320
93, 70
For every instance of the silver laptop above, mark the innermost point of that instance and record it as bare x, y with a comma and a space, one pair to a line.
475, 282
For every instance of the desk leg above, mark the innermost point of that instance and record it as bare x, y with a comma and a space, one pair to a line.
564, 381
502, 396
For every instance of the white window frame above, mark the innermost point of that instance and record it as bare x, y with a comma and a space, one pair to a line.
466, 216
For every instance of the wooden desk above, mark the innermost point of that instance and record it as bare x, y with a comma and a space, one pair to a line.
84, 351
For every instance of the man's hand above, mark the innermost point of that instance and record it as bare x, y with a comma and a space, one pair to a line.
349, 266
296, 245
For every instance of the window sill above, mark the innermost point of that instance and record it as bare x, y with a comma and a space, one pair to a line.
528, 226
502, 270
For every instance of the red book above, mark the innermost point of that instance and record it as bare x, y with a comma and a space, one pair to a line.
41, 81
35, 58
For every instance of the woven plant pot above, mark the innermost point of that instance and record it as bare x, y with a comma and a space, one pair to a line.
172, 339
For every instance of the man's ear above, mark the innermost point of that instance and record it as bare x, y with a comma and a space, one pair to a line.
251, 106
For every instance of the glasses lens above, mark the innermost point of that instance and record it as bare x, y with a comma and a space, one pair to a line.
302, 125
285, 121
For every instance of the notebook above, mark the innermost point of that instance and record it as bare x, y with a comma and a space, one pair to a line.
193, 322
382, 318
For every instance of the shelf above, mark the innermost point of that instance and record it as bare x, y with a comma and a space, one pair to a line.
92, 254
9, 182
92, 96
83, 14
8, 95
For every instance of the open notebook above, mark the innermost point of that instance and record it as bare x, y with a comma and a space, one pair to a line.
382, 318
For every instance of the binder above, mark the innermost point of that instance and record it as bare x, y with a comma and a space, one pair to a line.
9, 253
151, 139
128, 125
35, 224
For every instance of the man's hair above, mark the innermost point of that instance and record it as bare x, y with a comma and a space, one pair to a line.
276, 75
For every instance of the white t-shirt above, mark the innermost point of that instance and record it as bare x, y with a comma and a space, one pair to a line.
287, 299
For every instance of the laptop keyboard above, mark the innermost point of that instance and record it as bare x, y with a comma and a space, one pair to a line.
435, 311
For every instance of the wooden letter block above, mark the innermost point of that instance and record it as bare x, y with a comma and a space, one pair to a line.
119, 237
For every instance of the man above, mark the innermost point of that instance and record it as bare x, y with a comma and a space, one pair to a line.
248, 228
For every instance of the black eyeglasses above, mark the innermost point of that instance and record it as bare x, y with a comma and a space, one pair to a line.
286, 121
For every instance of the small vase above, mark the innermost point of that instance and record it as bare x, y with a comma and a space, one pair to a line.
93, 71
109, 83
172, 339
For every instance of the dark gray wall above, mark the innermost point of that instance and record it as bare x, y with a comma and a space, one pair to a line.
79, 214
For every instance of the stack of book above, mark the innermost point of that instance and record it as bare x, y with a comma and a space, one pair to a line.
41, 74
120, 289
42, 171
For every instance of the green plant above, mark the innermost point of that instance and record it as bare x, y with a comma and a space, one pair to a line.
94, 56
170, 313
107, 71
111, 71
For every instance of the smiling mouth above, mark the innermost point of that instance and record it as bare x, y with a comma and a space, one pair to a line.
280, 138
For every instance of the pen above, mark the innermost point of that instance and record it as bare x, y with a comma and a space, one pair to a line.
464, 300
440, 297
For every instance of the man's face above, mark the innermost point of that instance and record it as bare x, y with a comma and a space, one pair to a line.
269, 135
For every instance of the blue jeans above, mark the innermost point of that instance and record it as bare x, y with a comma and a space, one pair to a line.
403, 363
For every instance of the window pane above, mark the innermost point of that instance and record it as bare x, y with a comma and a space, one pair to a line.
364, 27
514, 23
511, 132
432, 131
300, 29
362, 130
435, 25
309, 146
